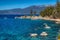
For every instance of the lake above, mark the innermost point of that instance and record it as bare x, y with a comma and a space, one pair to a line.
20, 29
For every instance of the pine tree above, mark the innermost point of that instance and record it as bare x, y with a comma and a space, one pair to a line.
31, 12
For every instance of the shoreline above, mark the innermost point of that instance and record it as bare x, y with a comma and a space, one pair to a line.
39, 17
47, 18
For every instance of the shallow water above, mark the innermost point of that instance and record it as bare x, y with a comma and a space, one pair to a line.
20, 29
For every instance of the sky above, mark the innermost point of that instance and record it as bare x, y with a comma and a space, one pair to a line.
11, 4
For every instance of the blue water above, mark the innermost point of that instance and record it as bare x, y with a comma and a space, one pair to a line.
20, 29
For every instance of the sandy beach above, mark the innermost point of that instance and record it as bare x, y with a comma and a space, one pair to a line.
45, 18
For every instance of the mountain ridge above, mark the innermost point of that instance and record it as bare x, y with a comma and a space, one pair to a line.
23, 11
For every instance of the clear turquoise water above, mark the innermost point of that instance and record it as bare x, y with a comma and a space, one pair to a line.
20, 29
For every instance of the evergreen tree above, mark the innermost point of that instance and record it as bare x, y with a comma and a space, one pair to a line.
31, 12
50, 10
47, 12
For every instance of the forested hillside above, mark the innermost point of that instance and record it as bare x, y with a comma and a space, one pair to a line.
52, 11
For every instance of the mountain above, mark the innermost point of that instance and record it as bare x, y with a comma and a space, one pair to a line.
19, 11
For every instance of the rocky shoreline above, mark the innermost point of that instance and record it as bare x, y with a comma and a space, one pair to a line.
39, 17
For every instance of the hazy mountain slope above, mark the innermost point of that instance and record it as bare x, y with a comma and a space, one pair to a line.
22, 11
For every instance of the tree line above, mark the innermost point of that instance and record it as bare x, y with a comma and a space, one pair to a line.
51, 11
